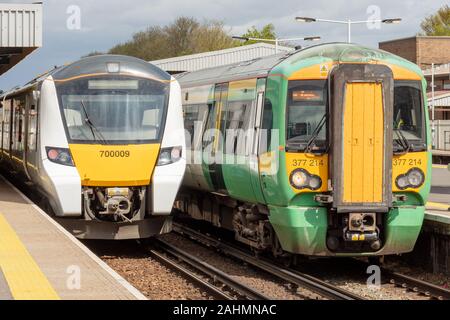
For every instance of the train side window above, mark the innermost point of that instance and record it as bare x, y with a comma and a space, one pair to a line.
240, 116
190, 117
1, 117
267, 125
208, 138
6, 124
236, 124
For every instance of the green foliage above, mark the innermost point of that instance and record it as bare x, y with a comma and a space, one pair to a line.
437, 24
267, 32
182, 37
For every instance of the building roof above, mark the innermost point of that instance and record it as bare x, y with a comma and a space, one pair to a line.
217, 58
20, 34
419, 37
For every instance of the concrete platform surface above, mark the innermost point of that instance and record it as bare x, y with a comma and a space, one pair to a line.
40, 260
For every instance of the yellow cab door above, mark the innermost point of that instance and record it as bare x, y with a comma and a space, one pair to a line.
363, 145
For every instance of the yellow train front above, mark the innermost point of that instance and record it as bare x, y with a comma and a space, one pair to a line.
335, 159
102, 141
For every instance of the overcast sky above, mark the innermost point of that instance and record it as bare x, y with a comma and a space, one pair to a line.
105, 23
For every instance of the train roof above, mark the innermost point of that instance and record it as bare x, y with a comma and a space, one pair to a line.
102, 64
96, 65
261, 67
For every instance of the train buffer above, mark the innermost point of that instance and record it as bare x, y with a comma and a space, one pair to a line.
39, 260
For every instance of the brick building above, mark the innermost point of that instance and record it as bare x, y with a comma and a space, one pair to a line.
422, 50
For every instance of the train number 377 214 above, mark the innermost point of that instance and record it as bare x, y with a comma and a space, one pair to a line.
115, 154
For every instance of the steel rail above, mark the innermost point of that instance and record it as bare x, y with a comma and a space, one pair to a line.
217, 275
213, 290
291, 276
416, 285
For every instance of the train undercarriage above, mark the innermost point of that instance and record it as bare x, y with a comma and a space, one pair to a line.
345, 233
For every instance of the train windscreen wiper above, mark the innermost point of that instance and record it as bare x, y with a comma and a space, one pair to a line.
315, 134
97, 135
404, 143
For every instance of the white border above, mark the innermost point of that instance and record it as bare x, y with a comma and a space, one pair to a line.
135, 292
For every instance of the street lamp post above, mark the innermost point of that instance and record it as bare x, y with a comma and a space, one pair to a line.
433, 125
277, 40
348, 22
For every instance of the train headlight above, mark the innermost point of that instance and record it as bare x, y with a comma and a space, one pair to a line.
415, 178
302, 179
402, 182
315, 183
169, 156
60, 156
299, 179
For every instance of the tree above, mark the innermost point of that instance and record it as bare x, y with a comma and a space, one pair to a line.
93, 53
437, 24
182, 37
267, 32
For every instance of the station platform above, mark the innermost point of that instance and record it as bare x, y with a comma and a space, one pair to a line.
40, 260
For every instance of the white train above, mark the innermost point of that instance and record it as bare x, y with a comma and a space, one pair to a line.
103, 140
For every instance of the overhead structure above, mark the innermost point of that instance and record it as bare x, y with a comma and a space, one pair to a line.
20, 34
218, 58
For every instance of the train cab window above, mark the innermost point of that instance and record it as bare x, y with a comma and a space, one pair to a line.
113, 110
307, 115
409, 123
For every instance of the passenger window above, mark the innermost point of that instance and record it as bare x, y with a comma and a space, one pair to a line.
267, 125
239, 117
237, 124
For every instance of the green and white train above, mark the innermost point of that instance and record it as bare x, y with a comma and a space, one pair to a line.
322, 152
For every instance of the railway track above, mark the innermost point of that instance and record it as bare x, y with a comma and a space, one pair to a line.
220, 285
294, 278
415, 285
411, 284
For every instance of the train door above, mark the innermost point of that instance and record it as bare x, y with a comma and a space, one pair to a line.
6, 139
1, 129
238, 127
254, 156
362, 107
213, 140
30, 156
17, 124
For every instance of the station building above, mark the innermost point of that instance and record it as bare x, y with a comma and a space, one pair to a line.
425, 51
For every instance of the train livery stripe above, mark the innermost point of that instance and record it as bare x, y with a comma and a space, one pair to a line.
25, 279
115, 166
363, 143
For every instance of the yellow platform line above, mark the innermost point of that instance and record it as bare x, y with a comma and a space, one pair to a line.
439, 166
23, 275
436, 205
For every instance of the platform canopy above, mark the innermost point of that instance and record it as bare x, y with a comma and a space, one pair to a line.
20, 33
